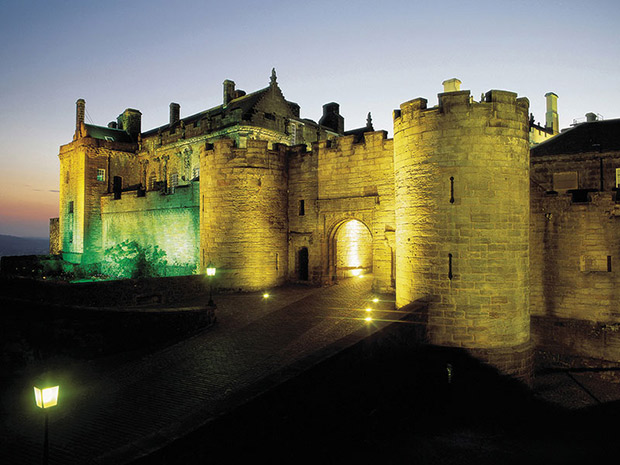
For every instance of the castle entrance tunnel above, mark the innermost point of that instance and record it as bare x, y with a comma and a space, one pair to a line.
352, 246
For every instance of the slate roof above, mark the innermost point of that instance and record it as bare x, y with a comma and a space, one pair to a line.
105, 133
244, 103
595, 136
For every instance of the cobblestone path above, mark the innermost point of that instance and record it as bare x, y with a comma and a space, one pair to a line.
116, 409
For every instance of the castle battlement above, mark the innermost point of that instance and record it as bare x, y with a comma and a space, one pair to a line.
439, 212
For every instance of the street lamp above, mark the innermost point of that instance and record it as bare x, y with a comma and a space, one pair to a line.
46, 396
211, 273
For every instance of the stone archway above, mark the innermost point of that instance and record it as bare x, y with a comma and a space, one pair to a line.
350, 249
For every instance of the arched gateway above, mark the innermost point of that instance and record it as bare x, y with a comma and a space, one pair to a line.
350, 249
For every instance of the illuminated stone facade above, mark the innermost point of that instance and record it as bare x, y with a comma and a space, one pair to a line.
462, 220
440, 214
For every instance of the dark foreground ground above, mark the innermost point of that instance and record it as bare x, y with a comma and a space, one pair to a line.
302, 378
390, 403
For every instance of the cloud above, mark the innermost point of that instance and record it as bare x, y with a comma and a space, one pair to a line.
45, 190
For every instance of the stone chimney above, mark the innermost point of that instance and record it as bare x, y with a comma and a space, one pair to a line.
229, 91
551, 117
331, 117
131, 122
80, 110
175, 113
591, 117
451, 85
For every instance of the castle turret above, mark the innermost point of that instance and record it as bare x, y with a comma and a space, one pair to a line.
462, 222
243, 219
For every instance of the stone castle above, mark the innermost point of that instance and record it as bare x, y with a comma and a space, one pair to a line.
446, 213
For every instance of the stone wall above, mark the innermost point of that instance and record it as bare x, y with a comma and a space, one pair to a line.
356, 182
573, 270
303, 214
80, 192
594, 170
167, 221
55, 243
243, 214
462, 213
574, 255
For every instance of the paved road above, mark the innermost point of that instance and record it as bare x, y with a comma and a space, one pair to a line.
116, 409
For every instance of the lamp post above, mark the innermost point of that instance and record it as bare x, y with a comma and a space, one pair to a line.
211, 273
46, 396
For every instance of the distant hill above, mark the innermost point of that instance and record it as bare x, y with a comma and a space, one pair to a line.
13, 245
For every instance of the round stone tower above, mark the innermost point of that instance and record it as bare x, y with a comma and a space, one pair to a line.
462, 222
243, 214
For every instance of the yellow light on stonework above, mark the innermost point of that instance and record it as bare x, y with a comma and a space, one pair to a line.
369, 309
46, 397
368, 318
375, 300
266, 295
356, 272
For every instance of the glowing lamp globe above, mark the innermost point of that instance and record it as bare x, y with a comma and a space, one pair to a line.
210, 270
46, 397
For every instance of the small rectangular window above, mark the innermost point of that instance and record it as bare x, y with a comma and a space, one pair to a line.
174, 179
70, 206
617, 177
100, 174
196, 173
302, 208
277, 260
70, 236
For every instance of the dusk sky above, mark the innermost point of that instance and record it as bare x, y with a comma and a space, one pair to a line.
367, 56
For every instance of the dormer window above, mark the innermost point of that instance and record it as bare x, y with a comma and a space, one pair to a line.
270, 116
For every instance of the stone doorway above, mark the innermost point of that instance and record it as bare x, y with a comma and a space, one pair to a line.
302, 264
350, 250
